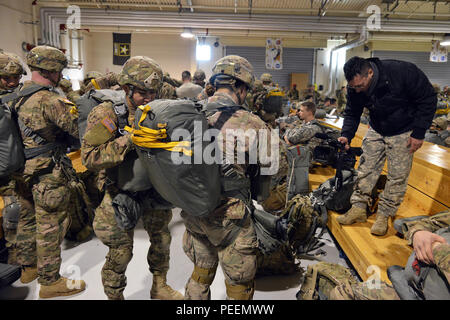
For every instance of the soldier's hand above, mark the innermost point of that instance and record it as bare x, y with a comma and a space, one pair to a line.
344, 141
414, 144
423, 243
287, 141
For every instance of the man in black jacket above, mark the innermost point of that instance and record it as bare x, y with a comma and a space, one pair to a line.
401, 103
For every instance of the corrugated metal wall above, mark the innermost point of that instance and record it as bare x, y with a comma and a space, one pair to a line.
437, 72
295, 60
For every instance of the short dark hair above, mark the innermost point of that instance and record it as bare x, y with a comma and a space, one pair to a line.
327, 99
332, 100
186, 75
310, 106
354, 66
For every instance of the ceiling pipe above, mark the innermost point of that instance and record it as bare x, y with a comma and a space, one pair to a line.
235, 8
363, 38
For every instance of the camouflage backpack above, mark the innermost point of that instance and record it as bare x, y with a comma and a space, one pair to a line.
321, 278
301, 220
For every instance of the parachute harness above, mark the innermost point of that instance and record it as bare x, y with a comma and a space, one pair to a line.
151, 138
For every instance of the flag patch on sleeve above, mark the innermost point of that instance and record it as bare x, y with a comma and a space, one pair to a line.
109, 124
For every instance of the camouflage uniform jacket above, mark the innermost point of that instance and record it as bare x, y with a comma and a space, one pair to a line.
245, 120
305, 134
102, 146
441, 253
106, 82
48, 115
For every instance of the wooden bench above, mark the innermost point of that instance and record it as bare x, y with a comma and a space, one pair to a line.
428, 192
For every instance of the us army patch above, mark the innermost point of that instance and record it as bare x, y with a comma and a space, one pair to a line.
109, 124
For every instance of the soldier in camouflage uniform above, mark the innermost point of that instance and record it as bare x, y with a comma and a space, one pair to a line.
227, 235
199, 78
11, 70
103, 147
266, 79
438, 132
90, 75
293, 93
306, 133
107, 81
429, 248
43, 187
66, 87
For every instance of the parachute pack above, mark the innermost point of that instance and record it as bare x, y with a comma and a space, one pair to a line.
93, 98
175, 167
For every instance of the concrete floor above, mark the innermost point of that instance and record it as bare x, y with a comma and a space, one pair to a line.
85, 261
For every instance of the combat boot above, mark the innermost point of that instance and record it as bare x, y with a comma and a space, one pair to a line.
161, 290
355, 214
380, 226
29, 273
61, 287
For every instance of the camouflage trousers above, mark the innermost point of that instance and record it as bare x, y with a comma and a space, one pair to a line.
376, 150
9, 196
227, 236
361, 291
120, 244
43, 223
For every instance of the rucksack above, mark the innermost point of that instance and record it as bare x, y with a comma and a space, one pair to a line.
304, 224
299, 158
418, 280
335, 199
12, 153
93, 98
12, 157
321, 278
191, 184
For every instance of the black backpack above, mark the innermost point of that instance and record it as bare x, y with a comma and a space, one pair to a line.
12, 152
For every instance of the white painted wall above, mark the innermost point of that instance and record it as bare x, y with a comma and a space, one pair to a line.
13, 31
173, 53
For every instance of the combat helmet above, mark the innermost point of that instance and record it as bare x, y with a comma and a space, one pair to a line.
258, 86
143, 73
10, 65
47, 58
266, 77
65, 84
93, 75
199, 75
231, 68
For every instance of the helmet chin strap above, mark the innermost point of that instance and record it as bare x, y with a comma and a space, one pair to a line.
130, 96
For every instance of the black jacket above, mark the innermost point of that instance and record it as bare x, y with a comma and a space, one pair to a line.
402, 100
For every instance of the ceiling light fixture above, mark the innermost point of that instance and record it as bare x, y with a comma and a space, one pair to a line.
446, 41
187, 33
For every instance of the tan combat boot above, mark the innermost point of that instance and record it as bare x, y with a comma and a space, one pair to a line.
28, 274
380, 226
62, 287
355, 214
161, 290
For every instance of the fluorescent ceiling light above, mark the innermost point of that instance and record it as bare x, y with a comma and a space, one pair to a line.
446, 41
187, 33
203, 52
